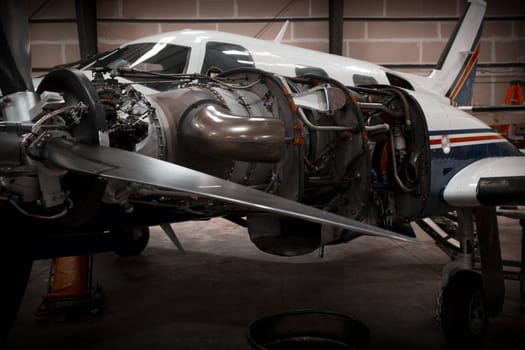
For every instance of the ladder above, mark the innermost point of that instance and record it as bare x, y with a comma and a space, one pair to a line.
514, 96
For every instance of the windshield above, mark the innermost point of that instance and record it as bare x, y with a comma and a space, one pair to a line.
151, 57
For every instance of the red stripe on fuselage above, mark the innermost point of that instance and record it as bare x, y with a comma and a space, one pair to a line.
475, 138
460, 139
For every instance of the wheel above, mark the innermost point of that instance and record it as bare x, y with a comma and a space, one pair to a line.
463, 313
132, 241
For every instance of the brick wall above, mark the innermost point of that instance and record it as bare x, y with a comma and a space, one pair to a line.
382, 31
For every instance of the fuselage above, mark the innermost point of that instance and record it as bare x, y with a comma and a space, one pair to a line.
456, 138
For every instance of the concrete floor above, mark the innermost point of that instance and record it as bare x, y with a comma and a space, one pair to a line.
206, 298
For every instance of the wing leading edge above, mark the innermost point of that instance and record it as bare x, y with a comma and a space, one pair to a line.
118, 164
489, 181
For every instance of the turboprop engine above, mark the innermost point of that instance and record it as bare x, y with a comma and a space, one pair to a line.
351, 151
308, 139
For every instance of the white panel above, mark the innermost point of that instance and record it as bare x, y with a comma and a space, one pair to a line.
461, 189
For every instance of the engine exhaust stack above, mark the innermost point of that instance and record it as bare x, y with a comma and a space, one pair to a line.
212, 130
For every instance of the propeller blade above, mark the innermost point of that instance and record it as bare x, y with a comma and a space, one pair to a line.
114, 163
15, 60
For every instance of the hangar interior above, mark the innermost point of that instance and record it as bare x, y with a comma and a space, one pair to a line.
405, 35
207, 295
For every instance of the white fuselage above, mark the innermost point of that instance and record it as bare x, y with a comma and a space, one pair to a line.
456, 138
285, 60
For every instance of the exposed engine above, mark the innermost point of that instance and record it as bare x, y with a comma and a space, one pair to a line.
358, 152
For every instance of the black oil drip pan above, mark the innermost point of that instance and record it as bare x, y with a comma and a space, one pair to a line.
308, 330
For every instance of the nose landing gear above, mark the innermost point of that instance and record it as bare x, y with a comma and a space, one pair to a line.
473, 281
462, 311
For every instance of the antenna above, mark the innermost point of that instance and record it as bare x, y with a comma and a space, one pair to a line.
281, 33
283, 10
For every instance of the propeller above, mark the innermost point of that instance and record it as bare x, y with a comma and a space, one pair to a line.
113, 163
118, 164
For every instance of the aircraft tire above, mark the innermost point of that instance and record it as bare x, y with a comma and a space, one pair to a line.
130, 243
464, 318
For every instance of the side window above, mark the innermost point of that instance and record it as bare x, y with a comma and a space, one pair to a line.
224, 56
360, 79
302, 70
398, 81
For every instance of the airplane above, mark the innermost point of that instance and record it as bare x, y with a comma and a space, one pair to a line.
305, 149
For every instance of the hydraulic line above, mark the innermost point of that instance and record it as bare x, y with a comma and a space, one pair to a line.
394, 164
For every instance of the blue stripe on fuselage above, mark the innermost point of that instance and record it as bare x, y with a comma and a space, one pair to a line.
460, 131
445, 166
464, 95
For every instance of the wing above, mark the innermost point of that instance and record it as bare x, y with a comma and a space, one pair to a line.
497, 115
113, 163
489, 181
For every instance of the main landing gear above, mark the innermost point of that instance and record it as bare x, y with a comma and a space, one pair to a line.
473, 286
132, 241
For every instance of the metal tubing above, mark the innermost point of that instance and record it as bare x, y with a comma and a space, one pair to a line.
380, 107
378, 127
394, 163
312, 126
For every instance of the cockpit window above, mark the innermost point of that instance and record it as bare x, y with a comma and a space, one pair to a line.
152, 57
221, 57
